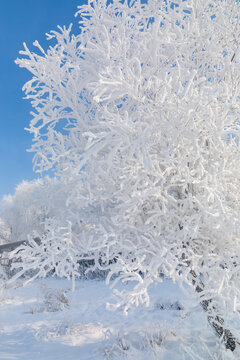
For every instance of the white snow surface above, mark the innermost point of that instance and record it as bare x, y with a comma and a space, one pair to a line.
46, 320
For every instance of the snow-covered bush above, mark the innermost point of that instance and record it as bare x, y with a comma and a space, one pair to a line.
138, 115
54, 299
130, 345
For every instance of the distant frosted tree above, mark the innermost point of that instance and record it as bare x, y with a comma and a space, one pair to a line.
4, 232
31, 205
25, 210
138, 115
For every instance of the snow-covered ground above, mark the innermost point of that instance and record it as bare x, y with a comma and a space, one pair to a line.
46, 321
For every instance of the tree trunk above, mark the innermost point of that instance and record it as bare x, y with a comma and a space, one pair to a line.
216, 321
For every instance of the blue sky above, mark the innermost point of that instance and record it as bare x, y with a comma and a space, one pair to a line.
22, 21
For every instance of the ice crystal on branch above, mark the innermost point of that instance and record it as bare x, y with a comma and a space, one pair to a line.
138, 115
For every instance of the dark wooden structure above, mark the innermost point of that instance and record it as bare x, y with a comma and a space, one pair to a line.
5, 248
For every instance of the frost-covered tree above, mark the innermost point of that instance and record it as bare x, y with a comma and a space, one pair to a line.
30, 208
138, 115
27, 209
4, 232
